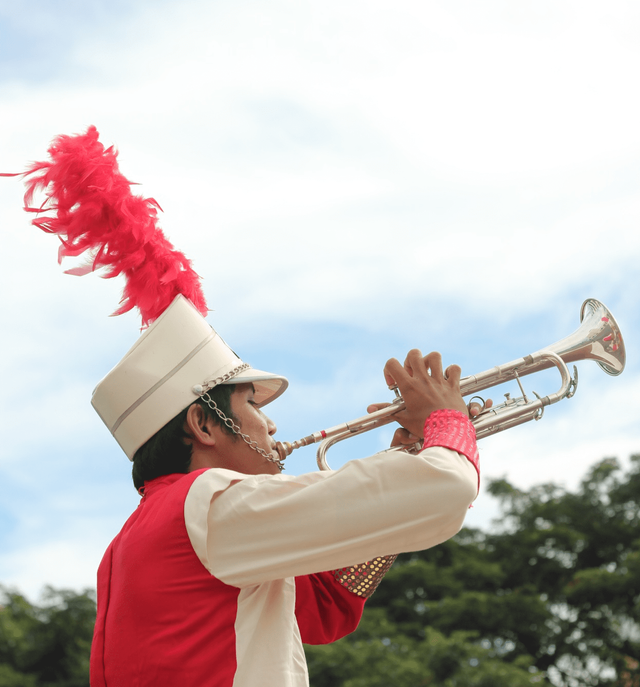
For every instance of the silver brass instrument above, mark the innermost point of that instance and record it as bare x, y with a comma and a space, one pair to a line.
597, 338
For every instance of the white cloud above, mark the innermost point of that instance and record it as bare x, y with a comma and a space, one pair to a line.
427, 174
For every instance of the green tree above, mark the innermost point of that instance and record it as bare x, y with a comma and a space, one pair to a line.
582, 553
46, 645
553, 596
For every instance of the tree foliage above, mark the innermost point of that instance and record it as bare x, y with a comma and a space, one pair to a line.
551, 597
46, 645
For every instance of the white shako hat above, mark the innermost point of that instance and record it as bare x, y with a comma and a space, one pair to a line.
90, 207
173, 362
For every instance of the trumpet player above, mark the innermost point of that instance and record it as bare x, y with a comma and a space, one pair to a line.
225, 569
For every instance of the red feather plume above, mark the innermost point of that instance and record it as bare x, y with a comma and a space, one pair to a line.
94, 212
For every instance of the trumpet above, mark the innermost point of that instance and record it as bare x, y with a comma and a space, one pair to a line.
598, 338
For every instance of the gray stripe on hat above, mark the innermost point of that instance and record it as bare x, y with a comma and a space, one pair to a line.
160, 382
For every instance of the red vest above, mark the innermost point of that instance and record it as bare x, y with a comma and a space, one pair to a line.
164, 620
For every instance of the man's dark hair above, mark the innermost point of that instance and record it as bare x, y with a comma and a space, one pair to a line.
166, 452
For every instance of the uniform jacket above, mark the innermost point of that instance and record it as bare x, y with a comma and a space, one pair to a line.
214, 580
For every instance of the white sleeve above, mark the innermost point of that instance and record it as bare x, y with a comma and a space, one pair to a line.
250, 529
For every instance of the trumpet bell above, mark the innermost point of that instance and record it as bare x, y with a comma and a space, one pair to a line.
597, 338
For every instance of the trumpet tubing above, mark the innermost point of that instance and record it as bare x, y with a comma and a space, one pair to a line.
598, 338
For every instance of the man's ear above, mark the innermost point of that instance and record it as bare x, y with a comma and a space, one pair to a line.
199, 426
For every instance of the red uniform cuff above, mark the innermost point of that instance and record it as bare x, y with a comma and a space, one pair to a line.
452, 429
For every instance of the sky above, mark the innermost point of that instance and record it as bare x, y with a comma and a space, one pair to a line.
351, 180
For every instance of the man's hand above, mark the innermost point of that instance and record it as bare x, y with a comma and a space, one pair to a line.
424, 388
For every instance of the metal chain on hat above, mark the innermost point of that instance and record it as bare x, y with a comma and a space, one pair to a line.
200, 389
236, 430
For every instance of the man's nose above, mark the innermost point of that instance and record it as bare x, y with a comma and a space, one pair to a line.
271, 426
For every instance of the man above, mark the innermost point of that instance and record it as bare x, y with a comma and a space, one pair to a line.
228, 566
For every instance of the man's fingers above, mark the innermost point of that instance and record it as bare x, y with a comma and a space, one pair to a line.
433, 363
413, 363
476, 408
422, 384
428, 366
453, 373
403, 437
393, 372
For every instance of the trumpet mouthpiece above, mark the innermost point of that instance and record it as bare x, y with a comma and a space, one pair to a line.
284, 449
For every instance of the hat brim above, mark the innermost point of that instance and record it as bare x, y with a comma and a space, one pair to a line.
268, 386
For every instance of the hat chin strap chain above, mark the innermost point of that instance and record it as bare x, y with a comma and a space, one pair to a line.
236, 430
202, 390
